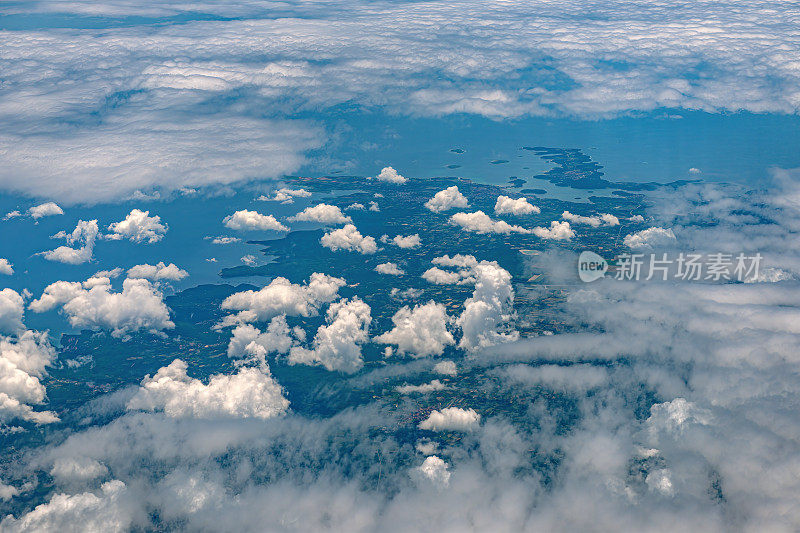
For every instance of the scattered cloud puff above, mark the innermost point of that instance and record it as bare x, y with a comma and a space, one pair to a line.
92, 304
405, 242
458, 260
675, 415
463, 276
355, 207
426, 446
282, 297
86, 233
322, 213
12, 309
390, 175
451, 419
650, 238
350, 239
249, 260
408, 294
252, 345
109, 510
373, 206
434, 469
390, 269
605, 219
12, 214
447, 199
480, 222
420, 332
47, 209
22, 365
286, 196
447, 368
250, 393
337, 344
558, 231
138, 227
114, 273
488, 315
158, 272
437, 276
222, 239
433, 386
252, 220
509, 206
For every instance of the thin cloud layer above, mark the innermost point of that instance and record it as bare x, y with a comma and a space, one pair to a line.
165, 106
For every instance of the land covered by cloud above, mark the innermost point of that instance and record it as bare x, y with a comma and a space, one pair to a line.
143, 107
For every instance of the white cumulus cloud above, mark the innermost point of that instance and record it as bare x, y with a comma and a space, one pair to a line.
283, 297
158, 272
447, 199
435, 470
92, 304
84, 233
22, 365
110, 510
390, 269
12, 308
605, 219
47, 209
510, 206
407, 241
421, 331
337, 344
138, 226
253, 345
285, 195
650, 238
558, 231
252, 220
250, 393
350, 239
322, 213
487, 318
451, 419
6, 267
480, 222
390, 175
